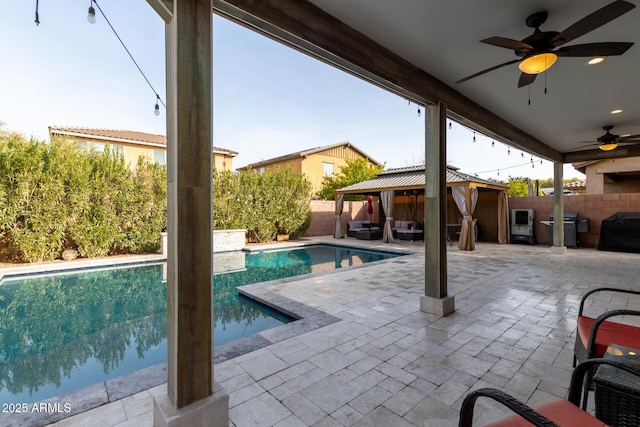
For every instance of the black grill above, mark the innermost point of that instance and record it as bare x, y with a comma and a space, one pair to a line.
572, 225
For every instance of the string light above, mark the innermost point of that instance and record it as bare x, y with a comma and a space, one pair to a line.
508, 151
474, 136
37, 21
419, 113
540, 161
493, 143
450, 125
531, 159
91, 17
498, 173
522, 154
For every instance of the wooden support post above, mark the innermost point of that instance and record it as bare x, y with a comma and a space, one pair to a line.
435, 300
558, 210
190, 398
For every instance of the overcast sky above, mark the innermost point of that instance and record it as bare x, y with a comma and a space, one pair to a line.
269, 100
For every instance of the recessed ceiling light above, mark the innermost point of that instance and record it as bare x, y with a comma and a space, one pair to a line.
617, 111
596, 60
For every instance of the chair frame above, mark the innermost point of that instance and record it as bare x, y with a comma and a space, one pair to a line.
582, 353
525, 411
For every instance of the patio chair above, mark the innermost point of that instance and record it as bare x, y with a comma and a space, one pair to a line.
593, 335
558, 413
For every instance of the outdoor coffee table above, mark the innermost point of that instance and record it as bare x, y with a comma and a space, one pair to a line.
373, 234
617, 393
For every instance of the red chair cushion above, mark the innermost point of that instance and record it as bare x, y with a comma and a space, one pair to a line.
608, 333
562, 412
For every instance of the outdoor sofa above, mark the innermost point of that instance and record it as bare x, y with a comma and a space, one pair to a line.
354, 226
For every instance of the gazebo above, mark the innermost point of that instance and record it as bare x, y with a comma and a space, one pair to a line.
469, 199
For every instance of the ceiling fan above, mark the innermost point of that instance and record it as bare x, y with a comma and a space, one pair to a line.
537, 53
609, 141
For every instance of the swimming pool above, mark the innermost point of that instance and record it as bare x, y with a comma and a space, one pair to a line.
61, 331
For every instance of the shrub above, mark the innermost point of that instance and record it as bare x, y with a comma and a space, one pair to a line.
275, 202
55, 197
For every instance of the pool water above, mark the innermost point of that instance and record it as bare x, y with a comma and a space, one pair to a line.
61, 332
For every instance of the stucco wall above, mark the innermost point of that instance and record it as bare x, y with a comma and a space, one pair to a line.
599, 183
323, 216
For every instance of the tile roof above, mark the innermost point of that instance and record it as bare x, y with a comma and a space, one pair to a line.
122, 135
412, 177
308, 152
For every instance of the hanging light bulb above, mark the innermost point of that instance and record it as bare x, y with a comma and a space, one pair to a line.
91, 17
498, 172
508, 151
449, 125
540, 161
156, 109
493, 143
531, 159
419, 113
533, 165
474, 137
522, 154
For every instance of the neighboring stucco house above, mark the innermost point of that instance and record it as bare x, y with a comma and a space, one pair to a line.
132, 145
315, 163
611, 175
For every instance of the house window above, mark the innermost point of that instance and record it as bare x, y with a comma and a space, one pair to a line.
99, 147
261, 170
160, 157
328, 168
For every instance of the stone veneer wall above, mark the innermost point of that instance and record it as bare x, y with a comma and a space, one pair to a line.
596, 207
223, 241
228, 240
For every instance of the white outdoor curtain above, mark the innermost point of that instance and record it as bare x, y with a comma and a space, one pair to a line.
503, 217
337, 232
466, 198
386, 197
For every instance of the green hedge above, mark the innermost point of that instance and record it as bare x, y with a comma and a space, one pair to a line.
56, 196
268, 204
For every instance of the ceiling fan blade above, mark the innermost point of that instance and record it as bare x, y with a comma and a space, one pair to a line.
629, 138
591, 22
526, 79
507, 43
594, 49
487, 70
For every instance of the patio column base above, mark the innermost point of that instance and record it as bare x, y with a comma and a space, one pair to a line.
212, 411
558, 250
438, 306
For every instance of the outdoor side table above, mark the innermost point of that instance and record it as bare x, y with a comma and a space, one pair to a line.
617, 393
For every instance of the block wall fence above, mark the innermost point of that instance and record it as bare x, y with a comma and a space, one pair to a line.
596, 207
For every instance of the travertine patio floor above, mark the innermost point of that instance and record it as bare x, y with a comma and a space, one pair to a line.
386, 363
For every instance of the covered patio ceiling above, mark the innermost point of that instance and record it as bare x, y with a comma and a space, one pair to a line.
419, 49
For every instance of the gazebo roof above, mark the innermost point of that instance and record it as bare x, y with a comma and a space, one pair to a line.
413, 178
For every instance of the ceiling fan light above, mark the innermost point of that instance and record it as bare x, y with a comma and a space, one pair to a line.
595, 60
538, 63
607, 146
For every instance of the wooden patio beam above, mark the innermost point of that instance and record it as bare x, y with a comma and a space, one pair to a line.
164, 8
